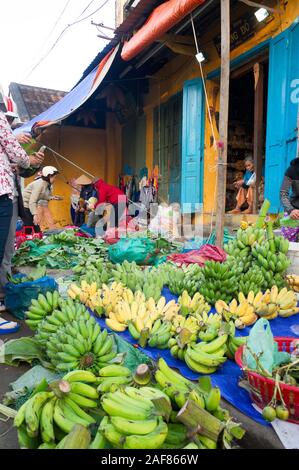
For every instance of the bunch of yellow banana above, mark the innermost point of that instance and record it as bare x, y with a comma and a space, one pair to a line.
273, 303
293, 282
192, 305
243, 313
84, 292
204, 320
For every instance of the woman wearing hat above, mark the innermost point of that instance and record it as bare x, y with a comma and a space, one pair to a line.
87, 191
39, 190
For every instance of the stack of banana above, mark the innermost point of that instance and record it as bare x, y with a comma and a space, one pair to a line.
185, 331
274, 302
132, 422
48, 415
88, 294
195, 305
206, 357
269, 305
243, 313
41, 307
138, 313
293, 282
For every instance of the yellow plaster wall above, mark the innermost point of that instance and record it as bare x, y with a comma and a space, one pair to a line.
86, 148
170, 80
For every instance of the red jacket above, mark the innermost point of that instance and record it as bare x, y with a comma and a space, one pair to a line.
108, 193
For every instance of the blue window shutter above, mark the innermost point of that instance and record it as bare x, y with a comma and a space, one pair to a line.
292, 94
192, 145
275, 140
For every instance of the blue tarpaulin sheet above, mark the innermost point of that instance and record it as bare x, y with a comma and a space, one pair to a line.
72, 100
228, 375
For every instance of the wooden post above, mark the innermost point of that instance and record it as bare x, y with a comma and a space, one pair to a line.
223, 120
258, 128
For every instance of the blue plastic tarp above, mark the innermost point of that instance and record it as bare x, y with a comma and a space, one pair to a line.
229, 374
72, 100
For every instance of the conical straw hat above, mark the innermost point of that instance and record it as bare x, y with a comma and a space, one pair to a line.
83, 180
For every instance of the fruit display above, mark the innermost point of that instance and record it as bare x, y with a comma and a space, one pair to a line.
243, 313
206, 357
251, 281
40, 308
270, 304
293, 282
81, 344
135, 278
220, 282
193, 305
67, 312
50, 414
179, 279
198, 405
256, 247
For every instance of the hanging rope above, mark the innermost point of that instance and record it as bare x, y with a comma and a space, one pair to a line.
204, 84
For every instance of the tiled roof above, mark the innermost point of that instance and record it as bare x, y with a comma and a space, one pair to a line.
32, 100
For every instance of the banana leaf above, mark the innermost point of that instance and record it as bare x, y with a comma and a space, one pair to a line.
25, 349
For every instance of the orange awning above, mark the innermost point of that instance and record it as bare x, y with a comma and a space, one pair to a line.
161, 20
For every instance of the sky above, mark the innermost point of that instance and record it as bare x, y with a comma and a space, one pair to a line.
28, 30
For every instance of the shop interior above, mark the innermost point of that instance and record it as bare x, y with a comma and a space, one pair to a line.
247, 129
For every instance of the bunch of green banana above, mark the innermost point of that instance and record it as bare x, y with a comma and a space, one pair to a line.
100, 278
160, 334
92, 266
81, 344
251, 280
40, 308
206, 357
176, 280
48, 415
233, 343
69, 311
220, 282
132, 421
112, 377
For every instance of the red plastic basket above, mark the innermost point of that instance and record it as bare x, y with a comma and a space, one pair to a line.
262, 388
27, 233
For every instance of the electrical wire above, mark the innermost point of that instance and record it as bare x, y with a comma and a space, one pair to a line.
56, 23
86, 8
61, 35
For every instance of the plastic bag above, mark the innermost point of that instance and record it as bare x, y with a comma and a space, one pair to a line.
205, 253
261, 343
18, 297
141, 250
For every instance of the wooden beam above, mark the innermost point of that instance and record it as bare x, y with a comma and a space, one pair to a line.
223, 120
181, 48
258, 134
177, 38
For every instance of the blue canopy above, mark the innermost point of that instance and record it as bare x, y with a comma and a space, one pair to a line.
74, 99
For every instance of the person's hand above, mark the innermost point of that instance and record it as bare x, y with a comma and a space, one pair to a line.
57, 198
37, 159
24, 138
15, 168
295, 214
36, 219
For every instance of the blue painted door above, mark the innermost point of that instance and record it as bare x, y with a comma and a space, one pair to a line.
283, 100
275, 140
292, 94
192, 146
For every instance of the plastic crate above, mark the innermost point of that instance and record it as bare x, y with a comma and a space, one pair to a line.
262, 388
27, 233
